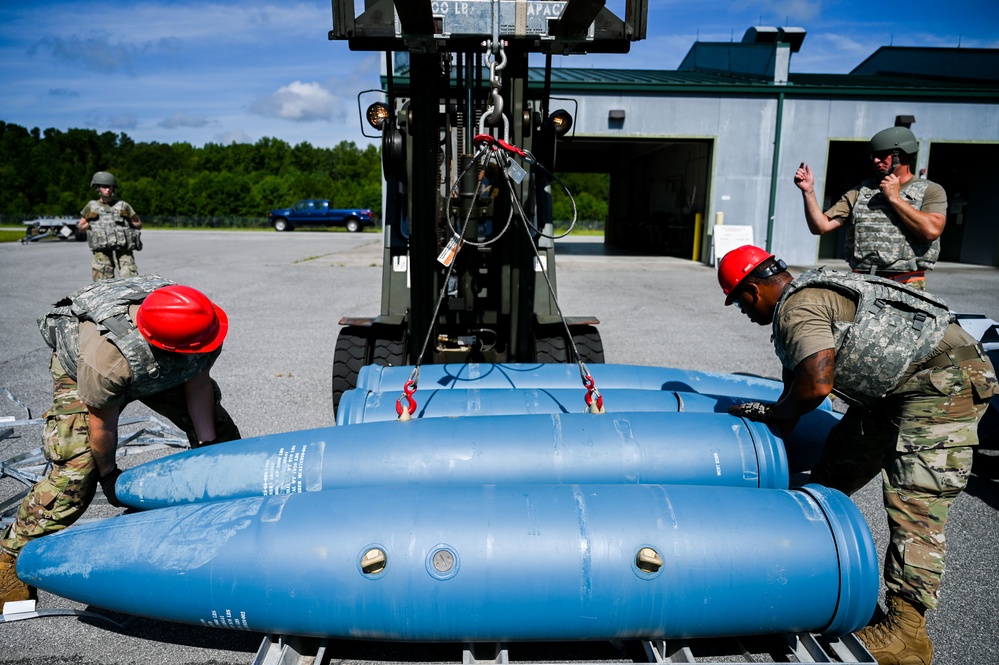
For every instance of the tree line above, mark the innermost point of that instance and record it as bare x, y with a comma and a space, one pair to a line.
48, 172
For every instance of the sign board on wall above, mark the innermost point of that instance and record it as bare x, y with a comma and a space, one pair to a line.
728, 237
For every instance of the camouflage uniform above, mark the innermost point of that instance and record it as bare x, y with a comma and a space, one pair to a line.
112, 238
877, 241
921, 441
60, 498
919, 435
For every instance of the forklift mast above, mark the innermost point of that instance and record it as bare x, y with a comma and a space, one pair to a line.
468, 152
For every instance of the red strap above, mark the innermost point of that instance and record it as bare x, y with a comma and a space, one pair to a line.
493, 141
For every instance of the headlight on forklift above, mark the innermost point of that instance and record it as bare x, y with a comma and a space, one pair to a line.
377, 114
561, 121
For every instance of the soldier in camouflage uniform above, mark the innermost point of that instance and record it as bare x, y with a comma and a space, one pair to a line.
893, 221
917, 385
116, 341
112, 231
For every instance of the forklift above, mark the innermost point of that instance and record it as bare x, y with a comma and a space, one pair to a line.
468, 139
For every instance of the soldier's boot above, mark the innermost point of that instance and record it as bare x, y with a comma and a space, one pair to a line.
900, 637
11, 587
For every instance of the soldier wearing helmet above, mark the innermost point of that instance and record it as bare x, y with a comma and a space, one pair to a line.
917, 385
893, 220
116, 341
113, 230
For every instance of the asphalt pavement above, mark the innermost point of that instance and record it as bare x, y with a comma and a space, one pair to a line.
284, 294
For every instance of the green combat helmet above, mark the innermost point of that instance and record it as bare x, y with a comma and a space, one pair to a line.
103, 179
894, 138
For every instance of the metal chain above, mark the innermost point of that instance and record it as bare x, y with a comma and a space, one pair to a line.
495, 48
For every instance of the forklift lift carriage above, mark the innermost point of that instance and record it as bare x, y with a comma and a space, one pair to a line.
456, 71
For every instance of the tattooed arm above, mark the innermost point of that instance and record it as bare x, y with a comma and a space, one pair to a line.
804, 389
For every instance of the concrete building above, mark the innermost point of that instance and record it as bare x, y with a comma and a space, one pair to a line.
718, 140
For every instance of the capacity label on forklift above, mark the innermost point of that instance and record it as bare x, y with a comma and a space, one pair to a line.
516, 17
446, 257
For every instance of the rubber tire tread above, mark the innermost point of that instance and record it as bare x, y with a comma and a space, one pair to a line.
550, 350
351, 353
389, 350
588, 343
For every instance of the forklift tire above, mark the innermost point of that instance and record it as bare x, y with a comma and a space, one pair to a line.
588, 343
357, 346
389, 350
349, 355
550, 349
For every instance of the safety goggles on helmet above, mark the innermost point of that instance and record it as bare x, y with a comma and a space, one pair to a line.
759, 272
762, 272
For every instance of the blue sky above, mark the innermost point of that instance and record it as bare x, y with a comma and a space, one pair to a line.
224, 70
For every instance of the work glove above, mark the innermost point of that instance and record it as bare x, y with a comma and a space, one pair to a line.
107, 486
755, 411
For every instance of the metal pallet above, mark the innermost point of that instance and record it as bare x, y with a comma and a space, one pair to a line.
784, 648
31, 466
61, 228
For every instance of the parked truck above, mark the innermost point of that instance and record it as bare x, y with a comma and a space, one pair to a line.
320, 212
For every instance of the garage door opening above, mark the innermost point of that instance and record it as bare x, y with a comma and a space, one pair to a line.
967, 172
848, 164
656, 189
591, 196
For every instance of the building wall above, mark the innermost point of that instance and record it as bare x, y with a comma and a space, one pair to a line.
742, 130
809, 125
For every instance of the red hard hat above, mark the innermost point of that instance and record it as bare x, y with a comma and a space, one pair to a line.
181, 319
736, 264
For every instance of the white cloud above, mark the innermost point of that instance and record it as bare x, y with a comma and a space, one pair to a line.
92, 53
121, 121
299, 102
184, 120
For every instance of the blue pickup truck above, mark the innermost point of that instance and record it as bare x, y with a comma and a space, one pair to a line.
319, 212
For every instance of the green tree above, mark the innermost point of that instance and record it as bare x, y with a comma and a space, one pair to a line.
48, 173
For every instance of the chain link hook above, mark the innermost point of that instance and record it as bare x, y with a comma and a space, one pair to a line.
406, 412
495, 48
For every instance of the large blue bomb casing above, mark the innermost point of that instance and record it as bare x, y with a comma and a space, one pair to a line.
481, 563
689, 448
804, 444
357, 406
376, 378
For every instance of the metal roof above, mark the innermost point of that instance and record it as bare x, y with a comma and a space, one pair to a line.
964, 64
660, 82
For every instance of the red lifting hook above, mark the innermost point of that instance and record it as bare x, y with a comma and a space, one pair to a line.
588, 383
408, 391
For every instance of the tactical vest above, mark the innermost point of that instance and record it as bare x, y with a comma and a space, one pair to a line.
894, 327
112, 229
878, 239
106, 303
